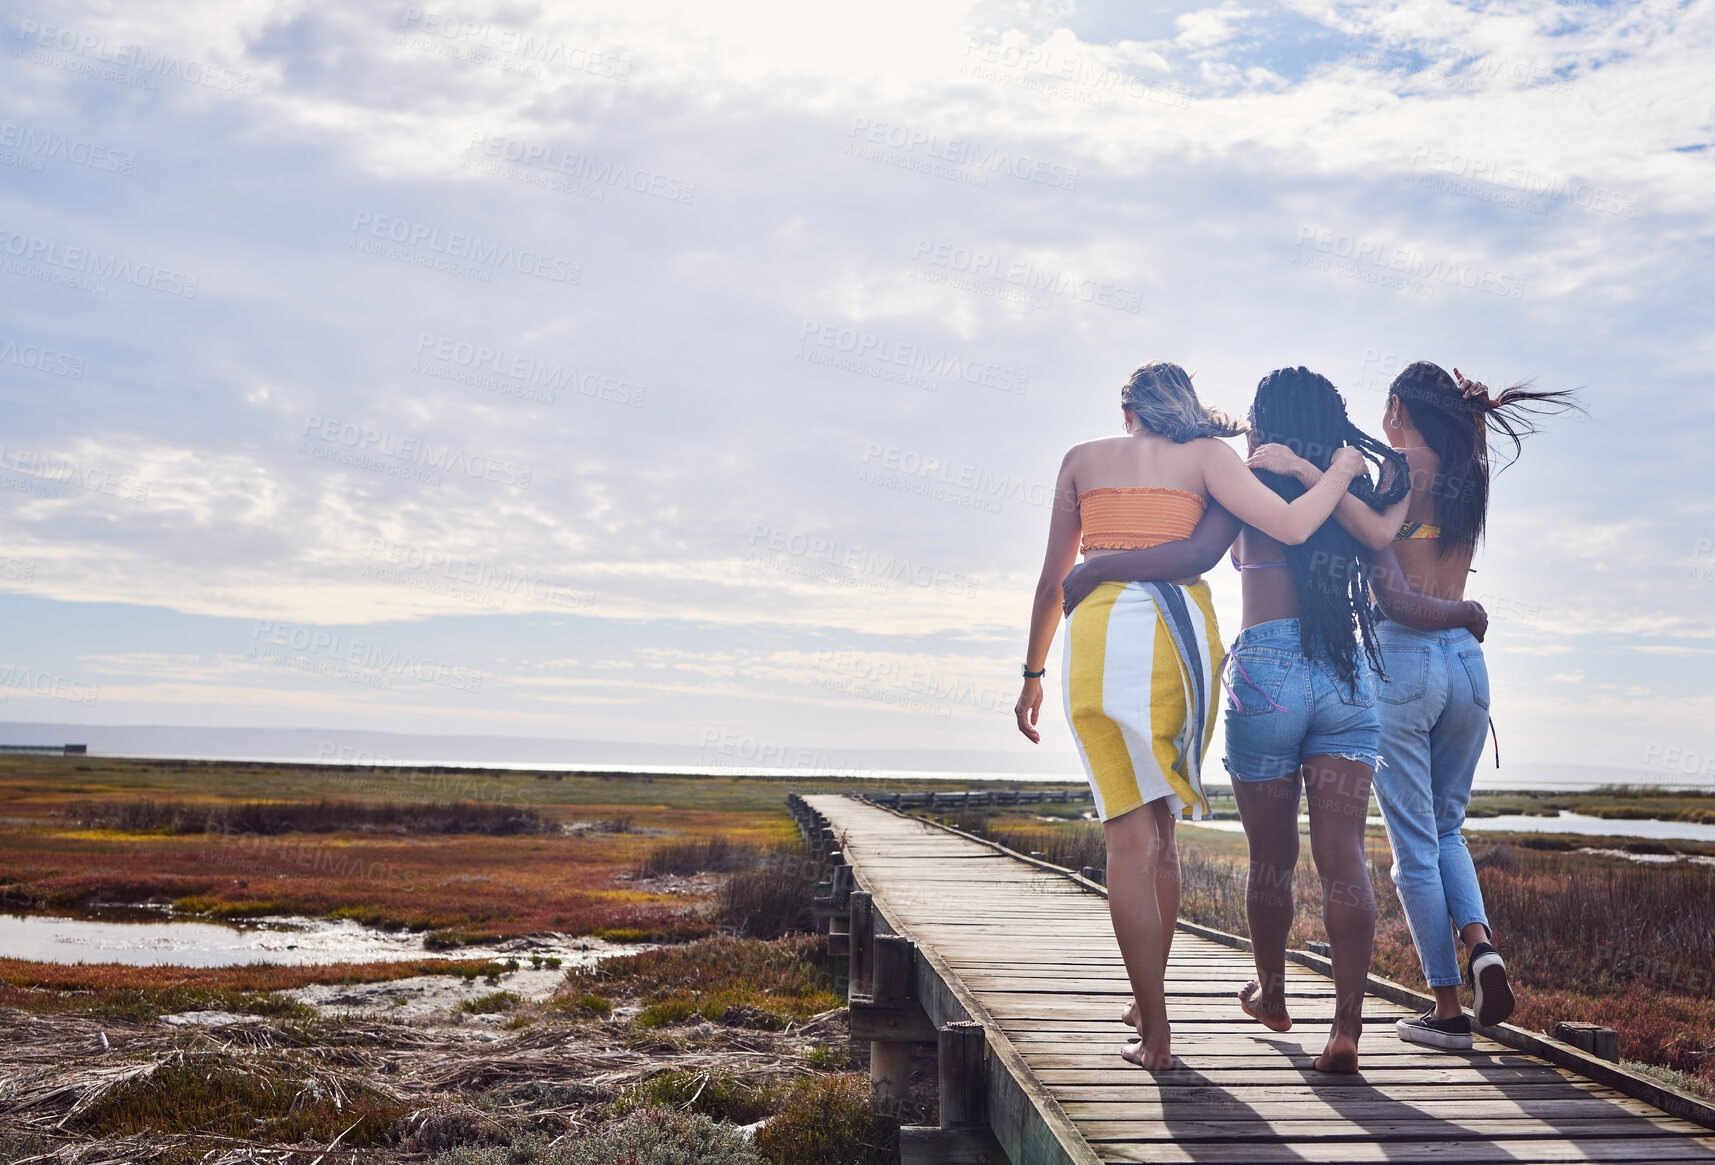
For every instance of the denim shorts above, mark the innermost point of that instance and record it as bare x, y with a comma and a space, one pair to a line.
1282, 708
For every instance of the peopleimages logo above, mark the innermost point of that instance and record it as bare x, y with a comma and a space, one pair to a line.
834, 553
1026, 276
599, 171
963, 152
525, 376
456, 245
97, 47
1406, 268
87, 268
942, 471
314, 642
35, 143
911, 357
366, 441
40, 359
477, 36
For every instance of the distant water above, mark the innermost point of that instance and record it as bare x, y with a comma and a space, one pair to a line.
1594, 827
1574, 823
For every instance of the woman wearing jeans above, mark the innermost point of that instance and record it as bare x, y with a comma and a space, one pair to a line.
1435, 705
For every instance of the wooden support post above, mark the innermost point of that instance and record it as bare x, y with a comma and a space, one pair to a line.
964, 1136
962, 1053
893, 969
893, 984
1590, 1037
890, 1076
862, 913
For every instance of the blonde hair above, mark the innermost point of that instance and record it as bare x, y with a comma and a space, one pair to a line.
1160, 396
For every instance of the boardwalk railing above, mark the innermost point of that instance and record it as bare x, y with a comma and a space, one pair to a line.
1008, 966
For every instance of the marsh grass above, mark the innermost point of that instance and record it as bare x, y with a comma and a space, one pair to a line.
257, 1097
709, 855
739, 1097
654, 1136
146, 815
492, 1003
1073, 845
587, 1005
117, 991
735, 981
829, 1119
771, 898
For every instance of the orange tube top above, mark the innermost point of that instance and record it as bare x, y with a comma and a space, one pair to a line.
1137, 517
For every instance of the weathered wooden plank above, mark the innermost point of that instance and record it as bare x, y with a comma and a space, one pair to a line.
1529, 1151
1409, 1093
1365, 1110
1240, 1074
1228, 1130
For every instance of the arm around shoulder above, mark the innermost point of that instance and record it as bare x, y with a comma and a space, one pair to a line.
1253, 503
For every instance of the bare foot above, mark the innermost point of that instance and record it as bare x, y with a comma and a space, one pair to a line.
1268, 1013
1341, 1055
1151, 1052
1129, 1015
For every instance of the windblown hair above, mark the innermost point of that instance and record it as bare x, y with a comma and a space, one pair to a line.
1330, 570
1160, 396
1458, 429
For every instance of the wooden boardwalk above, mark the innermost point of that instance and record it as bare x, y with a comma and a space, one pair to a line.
1025, 955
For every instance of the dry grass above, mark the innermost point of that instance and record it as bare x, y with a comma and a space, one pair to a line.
698, 856
268, 1098
829, 1119
740, 982
145, 815
83, 1080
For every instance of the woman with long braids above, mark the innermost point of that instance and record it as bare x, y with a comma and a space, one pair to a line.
1302, 712
1141, 658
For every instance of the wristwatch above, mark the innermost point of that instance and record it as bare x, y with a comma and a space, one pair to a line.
1035, 675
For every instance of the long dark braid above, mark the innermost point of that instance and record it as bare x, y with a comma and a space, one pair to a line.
1330, 570
1457, 428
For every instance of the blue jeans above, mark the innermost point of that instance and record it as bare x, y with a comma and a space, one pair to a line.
1283, 709
1435, 717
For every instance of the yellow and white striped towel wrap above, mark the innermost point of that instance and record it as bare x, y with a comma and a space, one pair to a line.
1142, 661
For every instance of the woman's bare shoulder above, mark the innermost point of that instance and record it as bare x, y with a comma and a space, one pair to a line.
1203, 448
1084, 450
1423, 463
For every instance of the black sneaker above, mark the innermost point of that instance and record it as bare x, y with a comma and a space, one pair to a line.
1453, 1034
1492, 998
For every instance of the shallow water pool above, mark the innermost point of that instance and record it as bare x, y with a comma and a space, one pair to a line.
296, 941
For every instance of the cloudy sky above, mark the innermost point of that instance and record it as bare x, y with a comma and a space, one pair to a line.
691, 373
